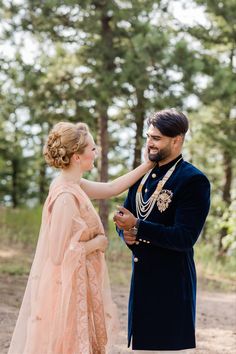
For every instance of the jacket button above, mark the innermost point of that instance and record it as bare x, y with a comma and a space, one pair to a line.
135, 259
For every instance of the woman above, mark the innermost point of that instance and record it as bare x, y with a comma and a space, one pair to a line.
67, 306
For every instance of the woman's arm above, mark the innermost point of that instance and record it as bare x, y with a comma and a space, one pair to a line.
61, 230
99, 242
100, 190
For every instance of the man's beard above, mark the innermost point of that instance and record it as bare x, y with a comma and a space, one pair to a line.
160, 155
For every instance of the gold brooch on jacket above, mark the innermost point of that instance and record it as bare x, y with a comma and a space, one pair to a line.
164, 199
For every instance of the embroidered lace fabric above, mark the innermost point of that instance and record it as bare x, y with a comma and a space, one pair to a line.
67, 306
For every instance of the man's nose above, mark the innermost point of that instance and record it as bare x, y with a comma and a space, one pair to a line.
150, 140
150, 143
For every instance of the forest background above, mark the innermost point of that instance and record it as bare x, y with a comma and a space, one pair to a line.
112, 64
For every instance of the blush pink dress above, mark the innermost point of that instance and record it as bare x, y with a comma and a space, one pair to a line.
67, 306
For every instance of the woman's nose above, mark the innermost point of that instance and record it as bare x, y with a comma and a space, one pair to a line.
98, 151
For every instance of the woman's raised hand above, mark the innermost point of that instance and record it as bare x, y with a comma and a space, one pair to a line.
150, 163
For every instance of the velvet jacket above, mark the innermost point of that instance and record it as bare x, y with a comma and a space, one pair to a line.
163, 285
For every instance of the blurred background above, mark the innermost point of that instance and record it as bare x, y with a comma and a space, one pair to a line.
112, 64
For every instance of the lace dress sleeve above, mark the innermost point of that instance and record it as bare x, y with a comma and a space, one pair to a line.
64, 210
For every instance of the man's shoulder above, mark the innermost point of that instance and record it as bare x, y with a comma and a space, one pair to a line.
189, 171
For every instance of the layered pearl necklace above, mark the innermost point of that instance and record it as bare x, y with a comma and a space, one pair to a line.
144, 208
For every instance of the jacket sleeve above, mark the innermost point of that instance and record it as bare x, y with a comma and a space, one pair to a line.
127, 206
191, 212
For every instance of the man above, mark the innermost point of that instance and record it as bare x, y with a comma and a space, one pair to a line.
160, 222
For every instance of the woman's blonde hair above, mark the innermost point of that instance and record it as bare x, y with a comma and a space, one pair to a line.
63, 141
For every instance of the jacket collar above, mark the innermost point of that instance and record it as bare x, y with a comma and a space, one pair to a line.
164, 168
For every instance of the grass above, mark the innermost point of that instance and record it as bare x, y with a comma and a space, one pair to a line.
215, 273
20, 226
118, 259
19, 233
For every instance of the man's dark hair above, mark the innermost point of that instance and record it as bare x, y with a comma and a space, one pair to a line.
169, 122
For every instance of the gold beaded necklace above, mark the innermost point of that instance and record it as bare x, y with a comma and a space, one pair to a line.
144, 208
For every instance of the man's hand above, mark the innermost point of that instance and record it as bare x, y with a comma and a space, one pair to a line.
129, 238
124, 219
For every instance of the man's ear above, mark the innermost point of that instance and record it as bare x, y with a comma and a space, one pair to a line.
178, 140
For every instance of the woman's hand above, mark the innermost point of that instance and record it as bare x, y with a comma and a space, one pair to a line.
145, 154
101, 242
98, 243
150, 163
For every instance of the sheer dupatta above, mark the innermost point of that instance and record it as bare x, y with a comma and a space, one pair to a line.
67, 306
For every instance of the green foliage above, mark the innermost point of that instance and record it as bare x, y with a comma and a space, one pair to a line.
20, 226
15, 164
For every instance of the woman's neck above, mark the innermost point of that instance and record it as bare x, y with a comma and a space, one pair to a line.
71, 174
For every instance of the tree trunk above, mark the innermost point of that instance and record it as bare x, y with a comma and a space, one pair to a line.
228, 178
14, 194
42, 182
42, 177
103, 167
204, 232
228, 173
139, 112
227, 159
108, 60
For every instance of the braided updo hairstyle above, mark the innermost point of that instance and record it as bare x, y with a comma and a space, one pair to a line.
63, 141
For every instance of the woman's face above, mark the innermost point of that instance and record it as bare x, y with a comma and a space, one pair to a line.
88, 156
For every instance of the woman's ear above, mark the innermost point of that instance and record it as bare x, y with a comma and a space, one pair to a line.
76, 157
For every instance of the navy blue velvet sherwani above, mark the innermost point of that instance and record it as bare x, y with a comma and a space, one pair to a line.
163, 284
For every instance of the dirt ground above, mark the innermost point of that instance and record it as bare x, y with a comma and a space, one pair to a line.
216, 317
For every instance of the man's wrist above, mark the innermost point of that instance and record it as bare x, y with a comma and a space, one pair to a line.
134, 229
